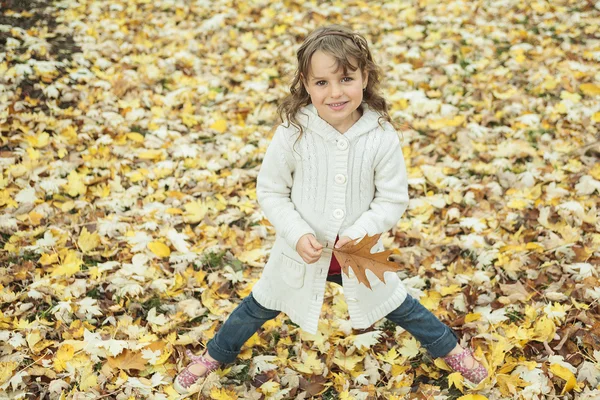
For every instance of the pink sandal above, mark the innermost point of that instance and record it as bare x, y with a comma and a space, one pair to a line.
186, 378
475, 374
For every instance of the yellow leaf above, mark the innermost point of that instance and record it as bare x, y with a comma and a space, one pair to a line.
565, 374
544, 329
431, 300
347, 363
150, 155
517, 204
159, 249
472, 317
596, 117
128, 360
88, 241
70, 265
35, 218
222, 394
65, 353
310, 363
441, 364
446, 122
410, 348
136, 137
268, 388
445, 291
47, 259
6, 370
590, 89
456, 379
75, 185
38, 141
219, 126
195, 212
595, 171
472, 397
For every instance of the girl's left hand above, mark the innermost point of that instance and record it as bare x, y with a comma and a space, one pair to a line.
342, 241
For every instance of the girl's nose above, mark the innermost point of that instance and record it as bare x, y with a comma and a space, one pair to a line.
336, 91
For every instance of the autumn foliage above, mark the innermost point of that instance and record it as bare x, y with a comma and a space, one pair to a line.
131, 134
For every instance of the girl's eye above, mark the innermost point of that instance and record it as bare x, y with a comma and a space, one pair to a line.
347, 79
320, 83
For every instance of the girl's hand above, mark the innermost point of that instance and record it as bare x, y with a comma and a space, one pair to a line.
309, 249
342, 241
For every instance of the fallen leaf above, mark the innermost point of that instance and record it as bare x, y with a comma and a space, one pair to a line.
357, 255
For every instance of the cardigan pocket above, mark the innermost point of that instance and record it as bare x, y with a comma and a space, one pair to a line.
292, 272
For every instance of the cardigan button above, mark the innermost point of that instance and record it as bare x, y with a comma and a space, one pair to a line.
342, 144
338, 213
340, 179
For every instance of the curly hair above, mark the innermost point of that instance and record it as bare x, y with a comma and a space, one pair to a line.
349, 49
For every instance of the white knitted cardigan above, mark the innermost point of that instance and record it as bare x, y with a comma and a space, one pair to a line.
328, 183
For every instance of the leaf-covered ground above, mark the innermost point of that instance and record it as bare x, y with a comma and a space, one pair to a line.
131, 136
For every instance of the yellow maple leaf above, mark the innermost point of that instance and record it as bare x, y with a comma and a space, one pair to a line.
159, 249
472, 397
88, 241
69, 266
456, 379
65, 353
75, 185
195, 212
222, 394
6, 370
431, 300
544, 330
347, 363
268, 388
47, 259
40, 140
310, 363
219, 126
410, 348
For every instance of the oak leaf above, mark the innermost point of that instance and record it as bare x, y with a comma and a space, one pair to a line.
357, 255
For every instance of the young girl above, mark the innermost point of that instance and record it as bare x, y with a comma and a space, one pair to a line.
334, 172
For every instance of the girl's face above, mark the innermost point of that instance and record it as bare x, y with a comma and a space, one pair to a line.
335, 96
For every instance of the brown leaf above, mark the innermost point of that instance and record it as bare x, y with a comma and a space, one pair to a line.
128, 360
357, 255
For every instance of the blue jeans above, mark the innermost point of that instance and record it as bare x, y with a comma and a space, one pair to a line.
437, 338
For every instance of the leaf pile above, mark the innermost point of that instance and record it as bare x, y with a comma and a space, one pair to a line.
130, 139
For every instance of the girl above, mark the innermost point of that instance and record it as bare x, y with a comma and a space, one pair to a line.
334, 172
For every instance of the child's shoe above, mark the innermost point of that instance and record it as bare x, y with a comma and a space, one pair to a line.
475, 374
186, 378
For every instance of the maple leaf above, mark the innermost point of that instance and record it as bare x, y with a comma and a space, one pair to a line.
357, 255
128, 360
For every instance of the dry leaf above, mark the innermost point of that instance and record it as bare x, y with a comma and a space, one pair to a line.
357, 255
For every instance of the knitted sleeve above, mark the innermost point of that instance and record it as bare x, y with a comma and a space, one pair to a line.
391, 193
273, 190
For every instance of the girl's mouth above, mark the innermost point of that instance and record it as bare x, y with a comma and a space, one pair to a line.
338, 106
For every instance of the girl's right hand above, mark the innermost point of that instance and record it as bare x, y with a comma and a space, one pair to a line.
309, 249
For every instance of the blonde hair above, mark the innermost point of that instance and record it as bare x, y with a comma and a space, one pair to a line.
345, 46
